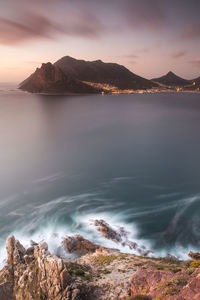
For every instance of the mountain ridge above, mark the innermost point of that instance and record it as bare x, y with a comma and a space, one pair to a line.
100, 72
69, 75
171, 79
77, 76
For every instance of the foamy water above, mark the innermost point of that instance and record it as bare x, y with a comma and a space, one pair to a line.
132, 160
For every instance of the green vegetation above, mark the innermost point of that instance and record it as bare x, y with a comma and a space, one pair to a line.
106, 271
189, 271
139, 264
122, 271
195, 264
123, 256
171, 291
75, 269
180, 280
105, 260
79, 272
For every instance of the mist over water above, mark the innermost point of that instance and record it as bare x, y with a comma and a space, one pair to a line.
130, 159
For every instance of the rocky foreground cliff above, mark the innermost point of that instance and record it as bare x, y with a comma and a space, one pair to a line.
96, 273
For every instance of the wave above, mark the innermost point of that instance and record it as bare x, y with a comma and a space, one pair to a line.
69, 215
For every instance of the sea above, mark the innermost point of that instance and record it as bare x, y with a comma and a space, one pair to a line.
131, 160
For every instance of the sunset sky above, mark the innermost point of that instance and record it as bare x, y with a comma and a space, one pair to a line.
150, 37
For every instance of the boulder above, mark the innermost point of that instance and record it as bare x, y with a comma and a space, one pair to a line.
194, 255
77, 244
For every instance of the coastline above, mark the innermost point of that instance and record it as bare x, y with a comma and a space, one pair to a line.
95, 272
120, 92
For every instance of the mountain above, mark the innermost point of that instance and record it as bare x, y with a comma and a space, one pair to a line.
171, 79
51, 79
104, 73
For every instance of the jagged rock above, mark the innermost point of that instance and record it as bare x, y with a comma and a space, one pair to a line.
172, 257
32, 243
65, 278
77, 244
30, 250
194, 255
38, 275
6, 291
103, 274
15, 251
28, 258
76, 295
119, 236
108, 232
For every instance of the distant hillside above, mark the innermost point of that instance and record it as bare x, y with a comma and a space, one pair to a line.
105, 73
197, 81
171, 79
51, 79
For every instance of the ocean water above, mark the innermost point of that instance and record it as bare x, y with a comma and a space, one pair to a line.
133, 160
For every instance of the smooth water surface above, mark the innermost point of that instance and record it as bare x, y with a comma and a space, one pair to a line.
130, 159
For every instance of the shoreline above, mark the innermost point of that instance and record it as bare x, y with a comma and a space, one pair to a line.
112, 94
98, 273
108, 236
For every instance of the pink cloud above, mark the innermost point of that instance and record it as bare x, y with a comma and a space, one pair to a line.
31, 23
195, 62
191, 31
179, 54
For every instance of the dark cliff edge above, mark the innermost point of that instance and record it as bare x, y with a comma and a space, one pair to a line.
50, 79
96, 272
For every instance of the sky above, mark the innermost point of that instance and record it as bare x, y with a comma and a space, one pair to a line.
150, 37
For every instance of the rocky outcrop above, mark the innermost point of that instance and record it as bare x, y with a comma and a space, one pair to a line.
194, 255
15, 251
166, 285
160, 284
77, 244
35, 274
119, 236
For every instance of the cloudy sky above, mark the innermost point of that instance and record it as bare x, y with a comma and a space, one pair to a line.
150, 37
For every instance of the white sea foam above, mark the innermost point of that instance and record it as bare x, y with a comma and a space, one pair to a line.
82, 223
